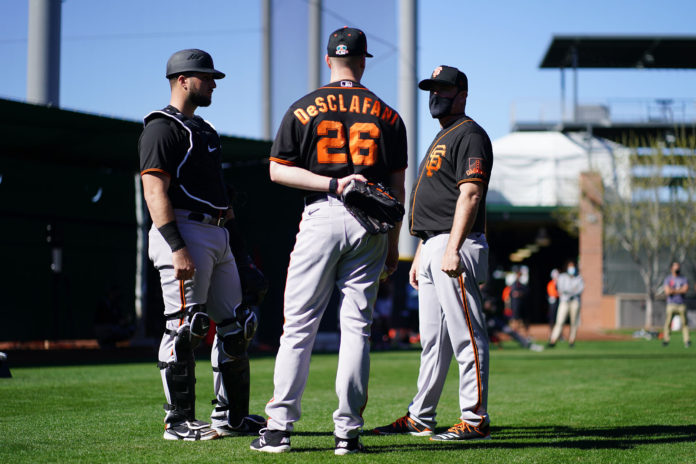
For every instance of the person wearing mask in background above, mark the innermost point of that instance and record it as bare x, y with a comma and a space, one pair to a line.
570, 286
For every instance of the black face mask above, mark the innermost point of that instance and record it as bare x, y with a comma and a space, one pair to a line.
440, 106
678, 271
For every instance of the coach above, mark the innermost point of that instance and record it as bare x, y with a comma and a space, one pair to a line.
448, 214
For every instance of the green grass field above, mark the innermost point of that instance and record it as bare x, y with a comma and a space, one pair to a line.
631, 401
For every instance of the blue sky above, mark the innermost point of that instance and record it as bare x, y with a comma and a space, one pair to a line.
113, 54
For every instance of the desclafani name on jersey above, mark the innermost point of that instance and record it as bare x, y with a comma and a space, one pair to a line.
337, 104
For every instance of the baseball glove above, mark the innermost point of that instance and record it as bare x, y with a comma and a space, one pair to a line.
372, 205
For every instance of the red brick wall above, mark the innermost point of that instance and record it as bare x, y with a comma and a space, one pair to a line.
597, 310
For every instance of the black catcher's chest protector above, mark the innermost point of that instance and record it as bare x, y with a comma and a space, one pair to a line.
197, 183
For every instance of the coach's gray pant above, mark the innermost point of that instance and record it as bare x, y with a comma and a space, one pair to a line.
452, 323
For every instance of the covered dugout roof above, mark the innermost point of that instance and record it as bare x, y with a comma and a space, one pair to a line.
658, 52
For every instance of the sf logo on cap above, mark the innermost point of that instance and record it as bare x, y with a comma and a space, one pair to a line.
437, 71
342, 50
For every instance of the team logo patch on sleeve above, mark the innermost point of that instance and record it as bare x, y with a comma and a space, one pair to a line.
475, 167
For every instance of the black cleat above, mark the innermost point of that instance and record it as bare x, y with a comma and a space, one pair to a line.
272, 441
250, 425
347, 446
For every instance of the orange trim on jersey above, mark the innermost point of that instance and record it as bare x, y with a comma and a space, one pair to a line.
281, 161
479, 384
463, 181
420, 177
161, 171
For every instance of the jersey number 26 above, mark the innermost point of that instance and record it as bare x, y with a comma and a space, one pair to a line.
363, 151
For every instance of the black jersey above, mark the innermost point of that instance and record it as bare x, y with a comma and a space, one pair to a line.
460, 153
187, 150
342, 129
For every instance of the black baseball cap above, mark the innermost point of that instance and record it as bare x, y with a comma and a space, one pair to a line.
347, 41
192, 60
445, 75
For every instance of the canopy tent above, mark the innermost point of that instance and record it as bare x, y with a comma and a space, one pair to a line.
542, 168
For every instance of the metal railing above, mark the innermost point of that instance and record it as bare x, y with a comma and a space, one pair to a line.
613, 110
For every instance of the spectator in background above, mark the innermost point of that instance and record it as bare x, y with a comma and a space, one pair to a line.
552, 297
497, 322
519, 293
675, 286
570, 286
507, 309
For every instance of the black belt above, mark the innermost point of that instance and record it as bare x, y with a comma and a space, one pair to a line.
218, 220
315, 197
426, 235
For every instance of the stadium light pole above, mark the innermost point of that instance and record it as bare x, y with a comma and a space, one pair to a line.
266, 72
408, 107
43, 52
314, 45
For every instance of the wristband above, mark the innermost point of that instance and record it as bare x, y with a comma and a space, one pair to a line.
171, 235
333, 185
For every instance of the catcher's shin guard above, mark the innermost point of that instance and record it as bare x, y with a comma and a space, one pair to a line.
234, 343
235, 380
180, 382
179, 376
234, 370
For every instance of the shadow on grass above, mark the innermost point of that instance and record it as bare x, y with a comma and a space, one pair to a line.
580, 438
619, 438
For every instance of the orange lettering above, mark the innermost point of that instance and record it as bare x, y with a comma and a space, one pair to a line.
354, 104
320, 104
331, 100
359, 145
362, 140
341, 106
312, 110
366, 104
327, 142
387, 113
435, 159
301, 115
375, 108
